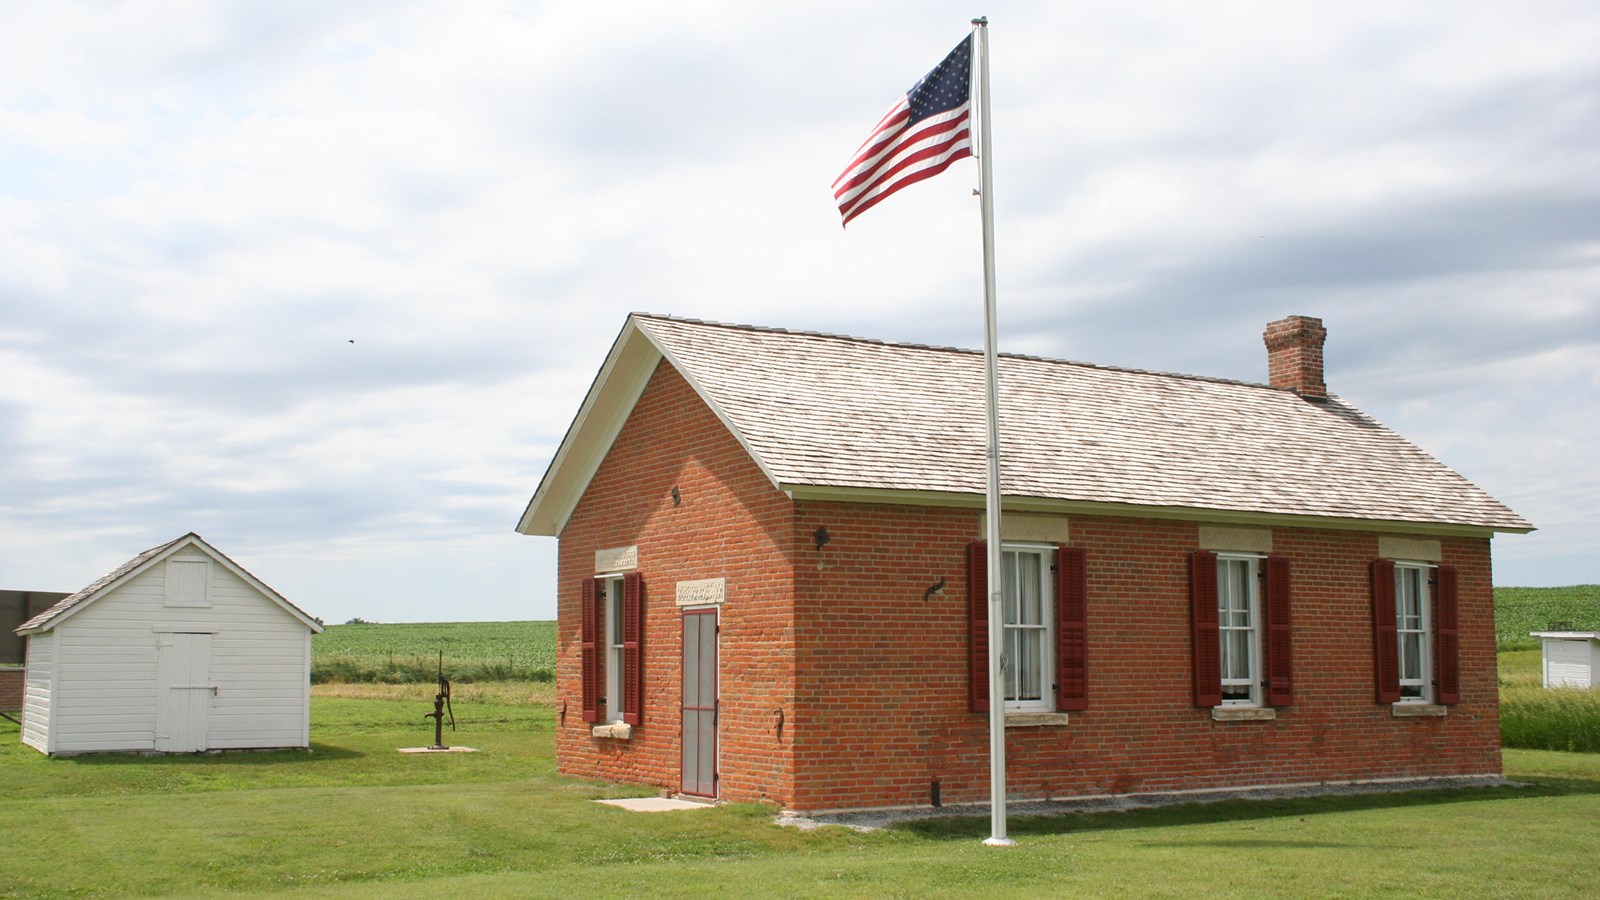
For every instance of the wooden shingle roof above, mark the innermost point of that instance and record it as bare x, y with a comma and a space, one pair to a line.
825, 415
72, 603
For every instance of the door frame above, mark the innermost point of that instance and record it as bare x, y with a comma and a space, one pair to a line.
692, 752
184, 691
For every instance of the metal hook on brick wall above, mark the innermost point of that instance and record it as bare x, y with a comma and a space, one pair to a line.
780, 726
563, 712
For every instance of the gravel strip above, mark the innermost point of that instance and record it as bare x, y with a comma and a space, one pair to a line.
874, 820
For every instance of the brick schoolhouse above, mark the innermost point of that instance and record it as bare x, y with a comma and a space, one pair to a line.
772, 582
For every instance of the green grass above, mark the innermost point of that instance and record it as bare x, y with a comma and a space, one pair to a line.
1534, 718
1560, 719
1519, 610
354, 818
409, 653
1539, 719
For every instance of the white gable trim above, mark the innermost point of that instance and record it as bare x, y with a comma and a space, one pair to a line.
829, 494
188, 540
606, 408
617, 387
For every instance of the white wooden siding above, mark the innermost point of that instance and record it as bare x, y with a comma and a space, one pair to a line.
36, 692
105, 688
1567, 664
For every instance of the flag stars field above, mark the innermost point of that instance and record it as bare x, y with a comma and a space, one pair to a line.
919, 137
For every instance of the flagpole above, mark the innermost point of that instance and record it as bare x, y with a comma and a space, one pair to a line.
991, 359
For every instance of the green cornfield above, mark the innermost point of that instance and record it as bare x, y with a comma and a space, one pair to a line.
1519, 610
410, 653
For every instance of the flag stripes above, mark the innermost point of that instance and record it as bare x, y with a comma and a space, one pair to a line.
919, 137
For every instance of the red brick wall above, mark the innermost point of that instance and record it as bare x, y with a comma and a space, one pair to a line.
884, 673
730, 523
11, 684
871, 677
882, 692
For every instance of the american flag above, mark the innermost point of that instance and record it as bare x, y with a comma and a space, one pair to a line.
919, 137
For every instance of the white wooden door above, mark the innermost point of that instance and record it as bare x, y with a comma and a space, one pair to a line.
183, 692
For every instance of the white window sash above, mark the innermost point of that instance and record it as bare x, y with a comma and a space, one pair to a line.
1239, 626
1029, 646
1413, 613
613, 641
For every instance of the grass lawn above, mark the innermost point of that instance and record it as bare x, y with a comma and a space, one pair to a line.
1536, 718
354, 818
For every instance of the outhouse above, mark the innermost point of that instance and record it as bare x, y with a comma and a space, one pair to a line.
1570, 657
176, 650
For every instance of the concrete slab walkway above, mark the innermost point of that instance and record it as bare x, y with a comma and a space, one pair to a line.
654, 804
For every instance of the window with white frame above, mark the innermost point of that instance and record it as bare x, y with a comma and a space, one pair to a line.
1413, 627
611, 613
1029, 640
1239, 628
610, 654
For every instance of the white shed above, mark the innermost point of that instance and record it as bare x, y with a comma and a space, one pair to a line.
177, 650
1570, 657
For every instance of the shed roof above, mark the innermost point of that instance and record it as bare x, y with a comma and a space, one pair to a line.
831, 416
74, 603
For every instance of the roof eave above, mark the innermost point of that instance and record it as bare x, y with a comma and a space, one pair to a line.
831, 493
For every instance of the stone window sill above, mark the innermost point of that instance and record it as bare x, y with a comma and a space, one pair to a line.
1417, 710
620, 731
1243, 713
1036, 720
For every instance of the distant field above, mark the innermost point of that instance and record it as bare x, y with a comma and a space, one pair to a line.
1519, 610
409, 653
526, 651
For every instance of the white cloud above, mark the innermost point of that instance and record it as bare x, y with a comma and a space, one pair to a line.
327, 283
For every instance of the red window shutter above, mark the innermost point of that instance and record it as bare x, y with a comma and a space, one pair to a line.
632, 648
978, 626
1072, 629
1207, 634
589, 649
1446, 637
1385, 634
1280, 634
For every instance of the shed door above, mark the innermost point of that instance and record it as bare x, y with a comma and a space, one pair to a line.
700, 702
183, 691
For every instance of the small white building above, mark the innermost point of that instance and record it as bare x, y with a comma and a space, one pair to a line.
177, 650
1570, 657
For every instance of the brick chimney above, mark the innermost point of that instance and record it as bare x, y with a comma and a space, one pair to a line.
1294, 355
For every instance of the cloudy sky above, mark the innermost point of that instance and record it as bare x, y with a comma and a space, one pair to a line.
326, 282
